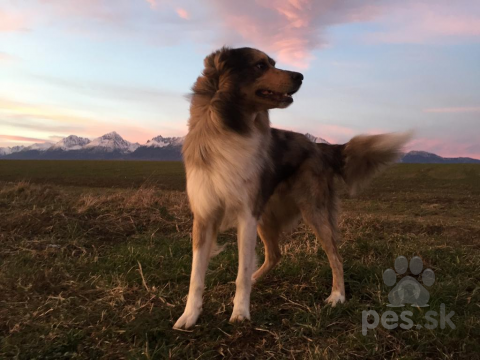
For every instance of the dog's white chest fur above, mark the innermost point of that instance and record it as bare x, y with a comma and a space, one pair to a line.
229, 183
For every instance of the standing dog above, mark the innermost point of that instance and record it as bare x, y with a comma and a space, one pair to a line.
242, 173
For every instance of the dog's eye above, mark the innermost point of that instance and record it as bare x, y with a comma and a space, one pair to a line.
261, 66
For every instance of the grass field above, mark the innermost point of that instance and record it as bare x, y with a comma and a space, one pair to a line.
95, 263
106, 174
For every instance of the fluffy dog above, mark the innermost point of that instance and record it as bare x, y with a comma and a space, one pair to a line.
242, 173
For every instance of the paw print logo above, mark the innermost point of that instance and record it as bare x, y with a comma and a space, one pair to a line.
408, 290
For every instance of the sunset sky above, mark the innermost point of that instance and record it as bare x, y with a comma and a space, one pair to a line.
88, 67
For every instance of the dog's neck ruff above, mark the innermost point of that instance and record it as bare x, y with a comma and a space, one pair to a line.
216, 124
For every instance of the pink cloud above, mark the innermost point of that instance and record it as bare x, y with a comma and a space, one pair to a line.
10, 21
21, 138
183, 13
445, 24
290, 29
453, 110
418, 22
41, 121
55, 138
9, 108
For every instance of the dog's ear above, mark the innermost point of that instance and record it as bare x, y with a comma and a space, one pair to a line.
215, 66
215, 63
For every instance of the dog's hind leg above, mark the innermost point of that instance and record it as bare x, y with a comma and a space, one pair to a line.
325, 228
247, 237
203, 234
269, 233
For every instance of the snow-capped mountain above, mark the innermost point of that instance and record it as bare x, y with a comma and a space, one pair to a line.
17, 148
72, 142
111, 142
39, 146
34, 147
11, 150
316, 139
109, 146
160, 148
5, 151
113, 146
160, 141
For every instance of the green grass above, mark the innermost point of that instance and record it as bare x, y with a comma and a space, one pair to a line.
95, 265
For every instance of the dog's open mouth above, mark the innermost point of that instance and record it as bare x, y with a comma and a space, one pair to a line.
276, 96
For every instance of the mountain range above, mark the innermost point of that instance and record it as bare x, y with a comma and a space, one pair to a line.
112, 146
423, 157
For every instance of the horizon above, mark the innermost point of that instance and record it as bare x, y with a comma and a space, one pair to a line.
166, 137
84, 68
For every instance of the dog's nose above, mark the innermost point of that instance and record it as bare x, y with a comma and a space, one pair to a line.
296, 76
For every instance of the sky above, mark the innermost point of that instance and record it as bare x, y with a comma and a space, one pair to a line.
89, 67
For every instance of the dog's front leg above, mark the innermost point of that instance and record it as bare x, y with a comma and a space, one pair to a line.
203, 235
247, 238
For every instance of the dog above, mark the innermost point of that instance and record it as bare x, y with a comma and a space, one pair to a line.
242, 173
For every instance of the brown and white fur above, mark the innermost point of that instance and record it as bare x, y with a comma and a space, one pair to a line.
242, 173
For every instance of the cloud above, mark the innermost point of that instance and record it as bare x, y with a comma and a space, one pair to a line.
104, 20
183, 13
26, 122
12, 21
14, 108
42, 121
291, 29
21, 138
466, 109
110, 90
294, 29
56, 138
419, 23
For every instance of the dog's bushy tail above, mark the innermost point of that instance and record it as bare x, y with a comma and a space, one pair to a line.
364, 156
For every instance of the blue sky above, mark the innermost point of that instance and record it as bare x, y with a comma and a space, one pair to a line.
93, 66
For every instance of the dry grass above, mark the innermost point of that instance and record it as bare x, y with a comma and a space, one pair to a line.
91, 273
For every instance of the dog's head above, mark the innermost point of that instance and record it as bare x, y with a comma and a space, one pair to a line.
250, 75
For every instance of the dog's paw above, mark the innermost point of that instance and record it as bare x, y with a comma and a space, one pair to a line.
187, 320
334, 298
239, 316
